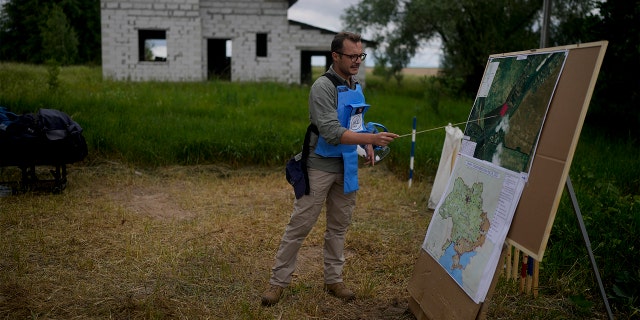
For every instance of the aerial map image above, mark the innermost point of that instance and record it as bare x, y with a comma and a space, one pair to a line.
509, 110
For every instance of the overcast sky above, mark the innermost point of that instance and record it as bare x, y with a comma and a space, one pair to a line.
326, 14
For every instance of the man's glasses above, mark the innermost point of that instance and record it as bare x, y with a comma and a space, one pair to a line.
353, 57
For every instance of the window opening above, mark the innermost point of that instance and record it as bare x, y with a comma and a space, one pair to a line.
152, 45
261, 44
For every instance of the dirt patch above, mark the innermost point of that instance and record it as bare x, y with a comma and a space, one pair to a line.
158, 204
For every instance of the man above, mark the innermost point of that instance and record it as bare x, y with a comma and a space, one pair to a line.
331, 171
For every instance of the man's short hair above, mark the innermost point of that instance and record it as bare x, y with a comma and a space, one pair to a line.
338, 40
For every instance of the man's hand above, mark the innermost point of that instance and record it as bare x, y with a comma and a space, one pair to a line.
380, 139
371, 157
383, 138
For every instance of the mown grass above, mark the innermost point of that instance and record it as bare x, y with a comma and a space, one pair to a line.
195, 242
154, 266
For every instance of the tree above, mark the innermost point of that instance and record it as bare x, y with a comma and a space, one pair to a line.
59, 40
19, 32
614, 105
616, 97
22, 21
470, 30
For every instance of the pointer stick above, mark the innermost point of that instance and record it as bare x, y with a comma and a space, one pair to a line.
455, 124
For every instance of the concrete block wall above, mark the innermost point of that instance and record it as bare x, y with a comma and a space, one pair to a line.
241, 21
122, 19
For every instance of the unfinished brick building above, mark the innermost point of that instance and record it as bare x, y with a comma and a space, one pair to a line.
196, 40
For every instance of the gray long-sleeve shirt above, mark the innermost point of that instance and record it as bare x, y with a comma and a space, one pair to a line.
323, 101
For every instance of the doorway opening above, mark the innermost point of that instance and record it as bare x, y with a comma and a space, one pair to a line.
219, 59
311, 59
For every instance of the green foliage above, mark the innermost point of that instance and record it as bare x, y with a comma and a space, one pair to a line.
153, 123
59, 40
148, 54
381, 69
435, 91
53, 71
396, 104
617, 94
470, 31
23, 22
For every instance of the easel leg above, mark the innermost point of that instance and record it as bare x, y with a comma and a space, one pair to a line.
523, 271
516, 263
585, 236
536, 273
508, 262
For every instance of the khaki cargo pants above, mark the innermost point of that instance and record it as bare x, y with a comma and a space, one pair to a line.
326, 188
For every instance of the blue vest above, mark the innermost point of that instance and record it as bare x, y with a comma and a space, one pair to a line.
351, 109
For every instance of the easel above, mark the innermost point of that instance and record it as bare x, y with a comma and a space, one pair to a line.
433, 292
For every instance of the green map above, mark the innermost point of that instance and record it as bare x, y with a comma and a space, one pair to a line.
469, 221
510, 108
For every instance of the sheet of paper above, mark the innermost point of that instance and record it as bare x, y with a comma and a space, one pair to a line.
487, 80
468, 147
470, 224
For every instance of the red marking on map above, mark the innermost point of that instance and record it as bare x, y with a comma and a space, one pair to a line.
504, 109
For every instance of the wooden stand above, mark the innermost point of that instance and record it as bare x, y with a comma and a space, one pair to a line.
441, 297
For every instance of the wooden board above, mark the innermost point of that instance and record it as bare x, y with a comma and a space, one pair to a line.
435, 295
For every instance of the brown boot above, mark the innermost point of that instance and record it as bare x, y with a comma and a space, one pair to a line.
272, 295
340, 290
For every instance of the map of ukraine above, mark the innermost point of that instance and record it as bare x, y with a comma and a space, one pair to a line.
469, 228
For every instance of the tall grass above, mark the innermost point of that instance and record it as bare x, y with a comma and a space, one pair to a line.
605, 175
156, 124
159, 123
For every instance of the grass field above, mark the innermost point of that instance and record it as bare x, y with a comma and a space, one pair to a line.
179, 208
198, 242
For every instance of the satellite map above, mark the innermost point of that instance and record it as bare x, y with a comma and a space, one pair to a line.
510, 108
